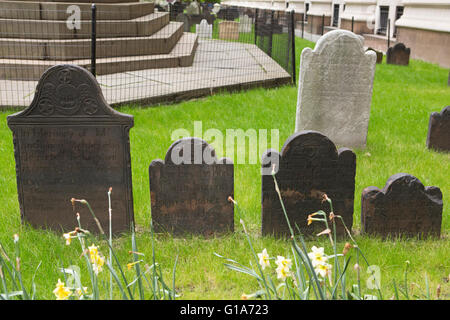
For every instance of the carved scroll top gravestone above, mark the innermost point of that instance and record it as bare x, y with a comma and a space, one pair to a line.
404, 207
309, 167
398, 54
189, 190
438, 137
69, 143
335, 88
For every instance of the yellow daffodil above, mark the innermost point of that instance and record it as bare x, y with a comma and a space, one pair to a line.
317, 256
61, 292
283, 262
264, 259
131, 264
96, 260
80, 292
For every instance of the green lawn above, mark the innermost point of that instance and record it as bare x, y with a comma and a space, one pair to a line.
403, 98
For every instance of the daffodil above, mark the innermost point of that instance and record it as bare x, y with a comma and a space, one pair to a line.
61, 292
317, 256
96, 260
323, 269
282, 272
264, 259
131, 264
283, 262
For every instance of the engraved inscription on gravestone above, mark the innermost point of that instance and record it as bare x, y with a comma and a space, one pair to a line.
335, 88
70, 144
438, 137
309, 166
404, 207
189, 190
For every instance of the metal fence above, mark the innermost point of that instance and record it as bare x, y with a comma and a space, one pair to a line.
140, 54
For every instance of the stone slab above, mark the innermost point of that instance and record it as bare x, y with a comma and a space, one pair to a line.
438, 137
403, 208
190, 189
308, 166
69, 143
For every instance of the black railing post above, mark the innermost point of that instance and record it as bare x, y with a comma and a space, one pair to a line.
388, 33
256, 25
303, 26
323, 22
93, 38
271, 32
353, 23
294, 80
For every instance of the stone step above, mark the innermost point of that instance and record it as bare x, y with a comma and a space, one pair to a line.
182, 55
51, 29
58, 10
160, 42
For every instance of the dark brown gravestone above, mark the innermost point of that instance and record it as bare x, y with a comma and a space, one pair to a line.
70, 144
403, 208
438, 137
379, 55
309, 165
398, 54
189, 190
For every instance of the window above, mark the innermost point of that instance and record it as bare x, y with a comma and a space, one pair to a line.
336, 15
384, 16
398, 14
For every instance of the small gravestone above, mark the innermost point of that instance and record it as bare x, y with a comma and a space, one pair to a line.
438, 137
245, 24
403, 208
309, 166
335, 88
229, 30
70, 144
379, 55
398, 54
204, 30
186, 21
189, 190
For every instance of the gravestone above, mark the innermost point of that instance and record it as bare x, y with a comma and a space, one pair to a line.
204, 30
193, 8
404, 207
309, 165
335, 88
438, 137
229, 30
69, 143
378, 53
398, 54
245, 24
186, 21
176, 9
189, 190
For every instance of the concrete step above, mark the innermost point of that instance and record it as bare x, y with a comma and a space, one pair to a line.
378, 42
58, 10
182, 55
53, 29
160, 42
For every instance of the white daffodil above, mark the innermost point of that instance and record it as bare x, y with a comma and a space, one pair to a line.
323, 269
264, 259
282, 262
317, 256
282, 272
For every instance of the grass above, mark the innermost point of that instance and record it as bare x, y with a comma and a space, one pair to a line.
403, 98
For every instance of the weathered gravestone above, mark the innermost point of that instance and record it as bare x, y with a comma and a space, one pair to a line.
335, 88
229, 30
189, 190
245, 24
398, 54
378, 53
438, 137
204, 30
69, 143
404, 207
186, 21
309, 166
193, 8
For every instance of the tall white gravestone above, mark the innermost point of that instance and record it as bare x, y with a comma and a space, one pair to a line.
245, 24
204, 30
335, 88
